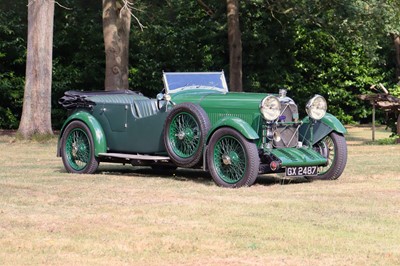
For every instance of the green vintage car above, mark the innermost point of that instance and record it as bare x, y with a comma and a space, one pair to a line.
195, 122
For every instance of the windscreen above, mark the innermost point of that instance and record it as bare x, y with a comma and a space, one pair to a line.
175, 81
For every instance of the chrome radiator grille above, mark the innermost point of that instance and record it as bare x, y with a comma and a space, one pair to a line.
286, 130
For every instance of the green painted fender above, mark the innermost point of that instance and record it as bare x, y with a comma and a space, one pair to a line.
322, 128
236, 123
334, 123
100, 144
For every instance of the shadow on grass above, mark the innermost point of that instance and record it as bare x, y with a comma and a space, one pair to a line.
274, 179
188, 175
180, 174
356, 138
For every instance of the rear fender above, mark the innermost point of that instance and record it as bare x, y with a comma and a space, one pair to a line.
236, 123
321, 128
100, 144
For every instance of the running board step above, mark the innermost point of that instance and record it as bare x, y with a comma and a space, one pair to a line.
135, 156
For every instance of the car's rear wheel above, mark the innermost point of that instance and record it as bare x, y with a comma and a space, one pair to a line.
77, 149
334, 148
185, 130
232, 160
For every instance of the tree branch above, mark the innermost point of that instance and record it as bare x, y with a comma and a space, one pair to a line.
55, 2
127, 5
60, 5
206, 8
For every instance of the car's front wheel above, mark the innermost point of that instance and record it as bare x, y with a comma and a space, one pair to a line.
334, 148
232, 160
77, 149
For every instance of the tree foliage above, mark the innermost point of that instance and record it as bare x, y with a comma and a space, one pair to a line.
79, 60
12, 62
181, 36
334, 48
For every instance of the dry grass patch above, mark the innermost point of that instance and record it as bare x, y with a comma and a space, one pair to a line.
125, 215
359, 135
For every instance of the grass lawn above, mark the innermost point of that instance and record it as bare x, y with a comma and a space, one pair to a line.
124, 215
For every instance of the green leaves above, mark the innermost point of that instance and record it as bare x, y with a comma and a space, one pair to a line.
334, 48
179, 36
12, 64
11, 95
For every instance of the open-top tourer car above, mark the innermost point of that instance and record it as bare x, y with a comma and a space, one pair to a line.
195, 122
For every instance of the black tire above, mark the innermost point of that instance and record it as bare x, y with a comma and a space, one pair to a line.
185, 131
232, 160
334, 148
77, 149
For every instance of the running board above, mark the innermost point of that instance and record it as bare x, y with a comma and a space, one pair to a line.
135, 156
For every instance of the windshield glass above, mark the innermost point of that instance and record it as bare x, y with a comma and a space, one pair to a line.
176, 81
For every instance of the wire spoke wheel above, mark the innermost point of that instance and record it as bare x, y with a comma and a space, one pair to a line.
232, 159
77, 149
184, 134
334, 148
185, 131
327, 148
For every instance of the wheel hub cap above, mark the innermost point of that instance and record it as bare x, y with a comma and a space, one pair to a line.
181, 135
226, 159
231, 158
187, 133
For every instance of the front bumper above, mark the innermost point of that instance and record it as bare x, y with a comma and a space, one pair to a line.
288, 157
299, 157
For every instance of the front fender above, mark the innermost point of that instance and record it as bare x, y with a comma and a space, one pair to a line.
99, 139
236, 123
321, 128
334, 123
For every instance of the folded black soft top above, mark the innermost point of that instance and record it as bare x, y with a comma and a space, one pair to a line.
75, 99
93, 93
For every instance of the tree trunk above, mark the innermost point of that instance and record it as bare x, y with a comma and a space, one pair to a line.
397, 46
398, 128
36, 111
235, 46
116, 28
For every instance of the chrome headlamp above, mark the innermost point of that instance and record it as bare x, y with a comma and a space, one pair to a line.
270, 108
316, 107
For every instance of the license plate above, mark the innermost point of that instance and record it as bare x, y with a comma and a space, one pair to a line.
301, 170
